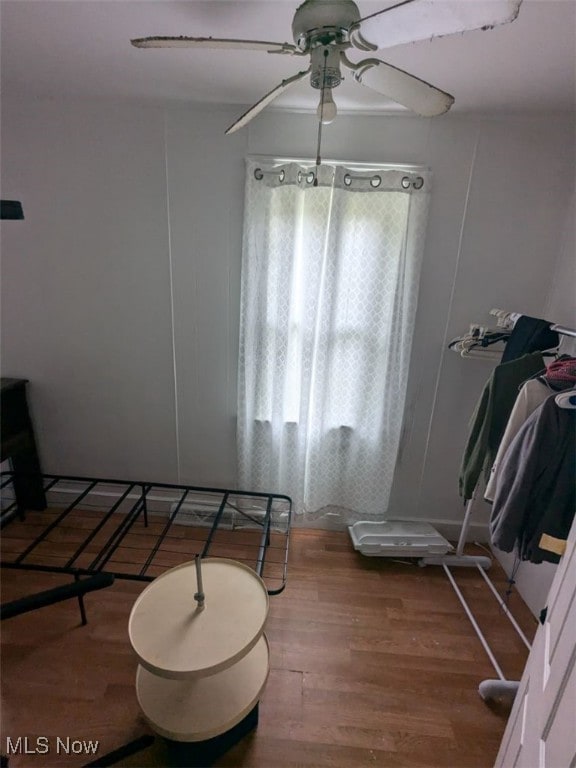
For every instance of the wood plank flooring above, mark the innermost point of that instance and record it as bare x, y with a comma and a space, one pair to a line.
373, 663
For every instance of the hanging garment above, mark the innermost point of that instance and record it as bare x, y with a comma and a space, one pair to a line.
531, 395
535, 492
561, 374
530, 334
491, 416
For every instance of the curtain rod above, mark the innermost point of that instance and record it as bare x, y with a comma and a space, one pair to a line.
332, 161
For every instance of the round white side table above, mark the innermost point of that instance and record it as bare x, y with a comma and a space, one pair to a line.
197, 631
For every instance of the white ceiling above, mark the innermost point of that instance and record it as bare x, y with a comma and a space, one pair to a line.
81, 48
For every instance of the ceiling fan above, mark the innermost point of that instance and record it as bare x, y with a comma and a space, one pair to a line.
324, 30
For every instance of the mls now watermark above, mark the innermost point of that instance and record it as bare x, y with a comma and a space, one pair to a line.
42, 745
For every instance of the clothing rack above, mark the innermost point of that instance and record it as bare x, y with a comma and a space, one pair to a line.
508, 319
488, 689
563, 330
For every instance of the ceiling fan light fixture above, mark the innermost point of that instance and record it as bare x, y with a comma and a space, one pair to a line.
327, 109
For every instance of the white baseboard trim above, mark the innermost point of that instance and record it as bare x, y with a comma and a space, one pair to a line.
164, 503
450, 529
199, 511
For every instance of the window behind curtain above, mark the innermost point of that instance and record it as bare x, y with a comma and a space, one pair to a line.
329, 288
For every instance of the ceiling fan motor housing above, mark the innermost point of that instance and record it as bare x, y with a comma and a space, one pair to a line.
321, 22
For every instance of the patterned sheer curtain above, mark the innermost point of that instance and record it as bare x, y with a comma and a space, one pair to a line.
330, 278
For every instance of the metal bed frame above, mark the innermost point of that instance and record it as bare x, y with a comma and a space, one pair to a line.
97, 530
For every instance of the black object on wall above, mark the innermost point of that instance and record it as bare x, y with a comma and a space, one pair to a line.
11, 209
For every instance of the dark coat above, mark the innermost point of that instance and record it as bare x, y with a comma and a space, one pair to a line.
490, 418
536, 488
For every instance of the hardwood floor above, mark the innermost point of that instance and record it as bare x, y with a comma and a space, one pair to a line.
373, 663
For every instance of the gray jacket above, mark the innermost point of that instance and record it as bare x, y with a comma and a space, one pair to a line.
536, 489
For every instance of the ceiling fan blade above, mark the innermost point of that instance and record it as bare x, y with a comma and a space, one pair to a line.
213, 42
413, 20
401, 87
251, 113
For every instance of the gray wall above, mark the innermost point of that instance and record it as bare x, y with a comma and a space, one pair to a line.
120, 290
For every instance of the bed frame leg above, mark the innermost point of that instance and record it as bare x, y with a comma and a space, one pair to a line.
81, 604
56, 595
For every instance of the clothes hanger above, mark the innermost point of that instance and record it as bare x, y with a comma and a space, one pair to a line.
566, 399
475, 342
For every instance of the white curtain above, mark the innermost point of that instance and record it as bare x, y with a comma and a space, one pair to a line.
330, 278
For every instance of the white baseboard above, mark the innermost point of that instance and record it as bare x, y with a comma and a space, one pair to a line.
200, 511
164, 503
450, 529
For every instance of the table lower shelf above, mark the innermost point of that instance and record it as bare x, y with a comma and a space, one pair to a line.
204, 708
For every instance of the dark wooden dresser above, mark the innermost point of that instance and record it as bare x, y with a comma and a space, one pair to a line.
18, 444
